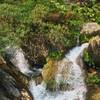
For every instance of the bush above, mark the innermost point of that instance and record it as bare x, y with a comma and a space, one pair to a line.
93, 80
88, 13
21, 20
87, 59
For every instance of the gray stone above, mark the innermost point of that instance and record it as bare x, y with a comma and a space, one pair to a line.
91, 28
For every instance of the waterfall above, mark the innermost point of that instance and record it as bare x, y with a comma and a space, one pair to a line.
21, 62
77, 88
16, 57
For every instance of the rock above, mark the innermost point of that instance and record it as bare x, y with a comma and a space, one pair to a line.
11, 83
25, 95
63, 70
3, 97
62, 74
8, 86
94, 50
91, 28
48, 73
14, 56
55, 74
20, 78
96, 96
53, 68
38, 80
15, 59
94, 93
2, 61
49, 70
91, 72
80, 62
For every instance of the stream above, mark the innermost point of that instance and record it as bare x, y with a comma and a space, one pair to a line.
77, 87
73, 78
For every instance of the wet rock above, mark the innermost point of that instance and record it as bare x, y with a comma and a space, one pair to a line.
63, 70
21, 79
15, 57
12, 81
25, 95
2, 61
48, 73
55, 74
80, 61
94, 50
49, 70
3, 97
94, 93
91, 28
38, 80
8, 86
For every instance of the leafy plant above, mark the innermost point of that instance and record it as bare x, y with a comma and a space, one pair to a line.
51, 85
93, 80
87, 13
87, 58
22, 19
55, 54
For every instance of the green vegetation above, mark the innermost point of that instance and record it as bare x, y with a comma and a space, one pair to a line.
51, 85
55, 23
46, 30
87, 59
91, 80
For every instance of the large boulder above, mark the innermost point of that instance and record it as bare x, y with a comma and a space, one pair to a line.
12, 83
64, 66
94, 50
8, 87
10, 90
14, 56
55, 74
49, 70
91, 28
56, 70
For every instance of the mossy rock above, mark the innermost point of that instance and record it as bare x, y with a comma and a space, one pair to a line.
94, 50
49, 70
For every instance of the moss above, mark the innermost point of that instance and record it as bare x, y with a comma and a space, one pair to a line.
88, 59
49, 70
51, 85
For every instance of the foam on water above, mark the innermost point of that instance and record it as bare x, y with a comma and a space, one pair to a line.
77, 88
21, 62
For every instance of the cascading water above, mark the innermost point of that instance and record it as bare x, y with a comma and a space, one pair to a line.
73, 77
21, 62
17, 58
77, 88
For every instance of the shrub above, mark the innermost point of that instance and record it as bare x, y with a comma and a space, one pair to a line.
87, 59
93, 80
22, 19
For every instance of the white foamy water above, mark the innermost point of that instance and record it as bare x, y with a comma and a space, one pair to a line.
77, 88
21, 62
